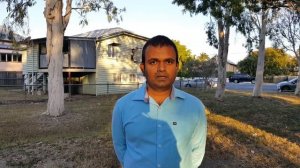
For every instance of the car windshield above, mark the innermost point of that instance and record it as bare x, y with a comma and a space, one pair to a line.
293, 80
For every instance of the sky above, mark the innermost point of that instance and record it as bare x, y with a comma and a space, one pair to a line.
146, 18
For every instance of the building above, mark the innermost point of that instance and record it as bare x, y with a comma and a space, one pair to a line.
231, 67
12, 57
95, 60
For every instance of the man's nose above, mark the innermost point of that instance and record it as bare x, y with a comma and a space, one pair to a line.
161, 67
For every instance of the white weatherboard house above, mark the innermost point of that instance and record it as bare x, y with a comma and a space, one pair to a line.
101, 61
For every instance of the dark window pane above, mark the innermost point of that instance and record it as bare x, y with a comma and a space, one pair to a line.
14, 57
19, 58
9, 59
3, 57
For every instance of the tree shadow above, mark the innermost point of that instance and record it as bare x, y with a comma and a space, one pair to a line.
278, 114
236, 144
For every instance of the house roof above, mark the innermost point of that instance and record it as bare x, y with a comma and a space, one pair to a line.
101, 34
230, 62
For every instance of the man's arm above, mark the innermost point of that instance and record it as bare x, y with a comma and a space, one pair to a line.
199, 140
118, 134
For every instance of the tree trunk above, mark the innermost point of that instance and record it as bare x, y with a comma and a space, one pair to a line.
257, 90
55, 34
297, 91
222, 58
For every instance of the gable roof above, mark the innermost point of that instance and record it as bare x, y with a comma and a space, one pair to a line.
101, 34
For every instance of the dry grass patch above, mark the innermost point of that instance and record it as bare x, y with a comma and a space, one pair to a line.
242, 132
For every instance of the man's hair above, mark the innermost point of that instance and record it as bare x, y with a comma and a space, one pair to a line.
160, 41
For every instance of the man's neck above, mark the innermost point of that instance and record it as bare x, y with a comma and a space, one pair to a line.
159, 95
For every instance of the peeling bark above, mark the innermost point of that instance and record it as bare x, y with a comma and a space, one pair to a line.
56, 25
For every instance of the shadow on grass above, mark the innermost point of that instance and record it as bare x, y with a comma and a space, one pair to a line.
278, 114
247, 145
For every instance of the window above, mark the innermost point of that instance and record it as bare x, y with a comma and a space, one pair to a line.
8, 57
117, 78
14, 58
19, 57
43, 58
132, 78
112, 49
3, 57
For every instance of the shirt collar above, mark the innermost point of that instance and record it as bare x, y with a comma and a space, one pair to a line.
142, 93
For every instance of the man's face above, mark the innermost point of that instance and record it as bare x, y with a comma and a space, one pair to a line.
160, 67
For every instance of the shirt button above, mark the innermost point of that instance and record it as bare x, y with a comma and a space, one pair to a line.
158, 165
159, 145
159, 125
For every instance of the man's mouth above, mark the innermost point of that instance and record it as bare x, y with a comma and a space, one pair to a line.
161, 77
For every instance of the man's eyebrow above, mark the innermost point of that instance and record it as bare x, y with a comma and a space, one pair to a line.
156, 59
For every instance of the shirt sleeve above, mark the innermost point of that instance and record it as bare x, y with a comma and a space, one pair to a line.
199, 140
118, 134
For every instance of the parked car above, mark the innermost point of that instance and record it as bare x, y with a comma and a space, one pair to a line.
194, 83
237, 78
287, 85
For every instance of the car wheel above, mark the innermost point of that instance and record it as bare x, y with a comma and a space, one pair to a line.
253, 81
285, 88
236, 81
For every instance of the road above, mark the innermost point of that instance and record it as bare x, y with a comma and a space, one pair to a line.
267, 87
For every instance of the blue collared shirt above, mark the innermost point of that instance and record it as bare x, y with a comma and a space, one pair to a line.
148, 135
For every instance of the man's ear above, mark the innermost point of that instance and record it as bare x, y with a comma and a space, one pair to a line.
142, 67
177, 67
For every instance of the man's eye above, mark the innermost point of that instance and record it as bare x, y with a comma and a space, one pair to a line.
153, 62
170, 61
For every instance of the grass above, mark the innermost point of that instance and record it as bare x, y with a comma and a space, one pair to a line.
242, 131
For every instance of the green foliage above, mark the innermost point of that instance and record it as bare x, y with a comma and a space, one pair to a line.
87, 6
228, 12
286, 31
250, 21
195, 67
228, 74
18, 10
183, 54
248, 65
277, 62
203, 57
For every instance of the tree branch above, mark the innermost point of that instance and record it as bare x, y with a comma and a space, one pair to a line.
68, 12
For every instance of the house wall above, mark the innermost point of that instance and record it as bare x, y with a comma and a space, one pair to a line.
231, 68
89, 79
31, 63
120, 66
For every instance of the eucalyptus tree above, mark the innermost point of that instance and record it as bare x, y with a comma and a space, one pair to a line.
286, 34
57, 21
225, 14
256, 24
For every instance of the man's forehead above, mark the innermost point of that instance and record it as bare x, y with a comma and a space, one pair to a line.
154, 51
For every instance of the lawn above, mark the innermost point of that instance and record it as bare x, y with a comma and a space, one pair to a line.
242, 131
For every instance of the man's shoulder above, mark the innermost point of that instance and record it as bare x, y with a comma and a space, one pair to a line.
136, 94
187, 96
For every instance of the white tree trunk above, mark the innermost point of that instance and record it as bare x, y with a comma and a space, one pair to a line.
297, 91
56, 24
222, 59
257, 90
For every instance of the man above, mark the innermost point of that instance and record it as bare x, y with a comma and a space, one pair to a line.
159, 125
